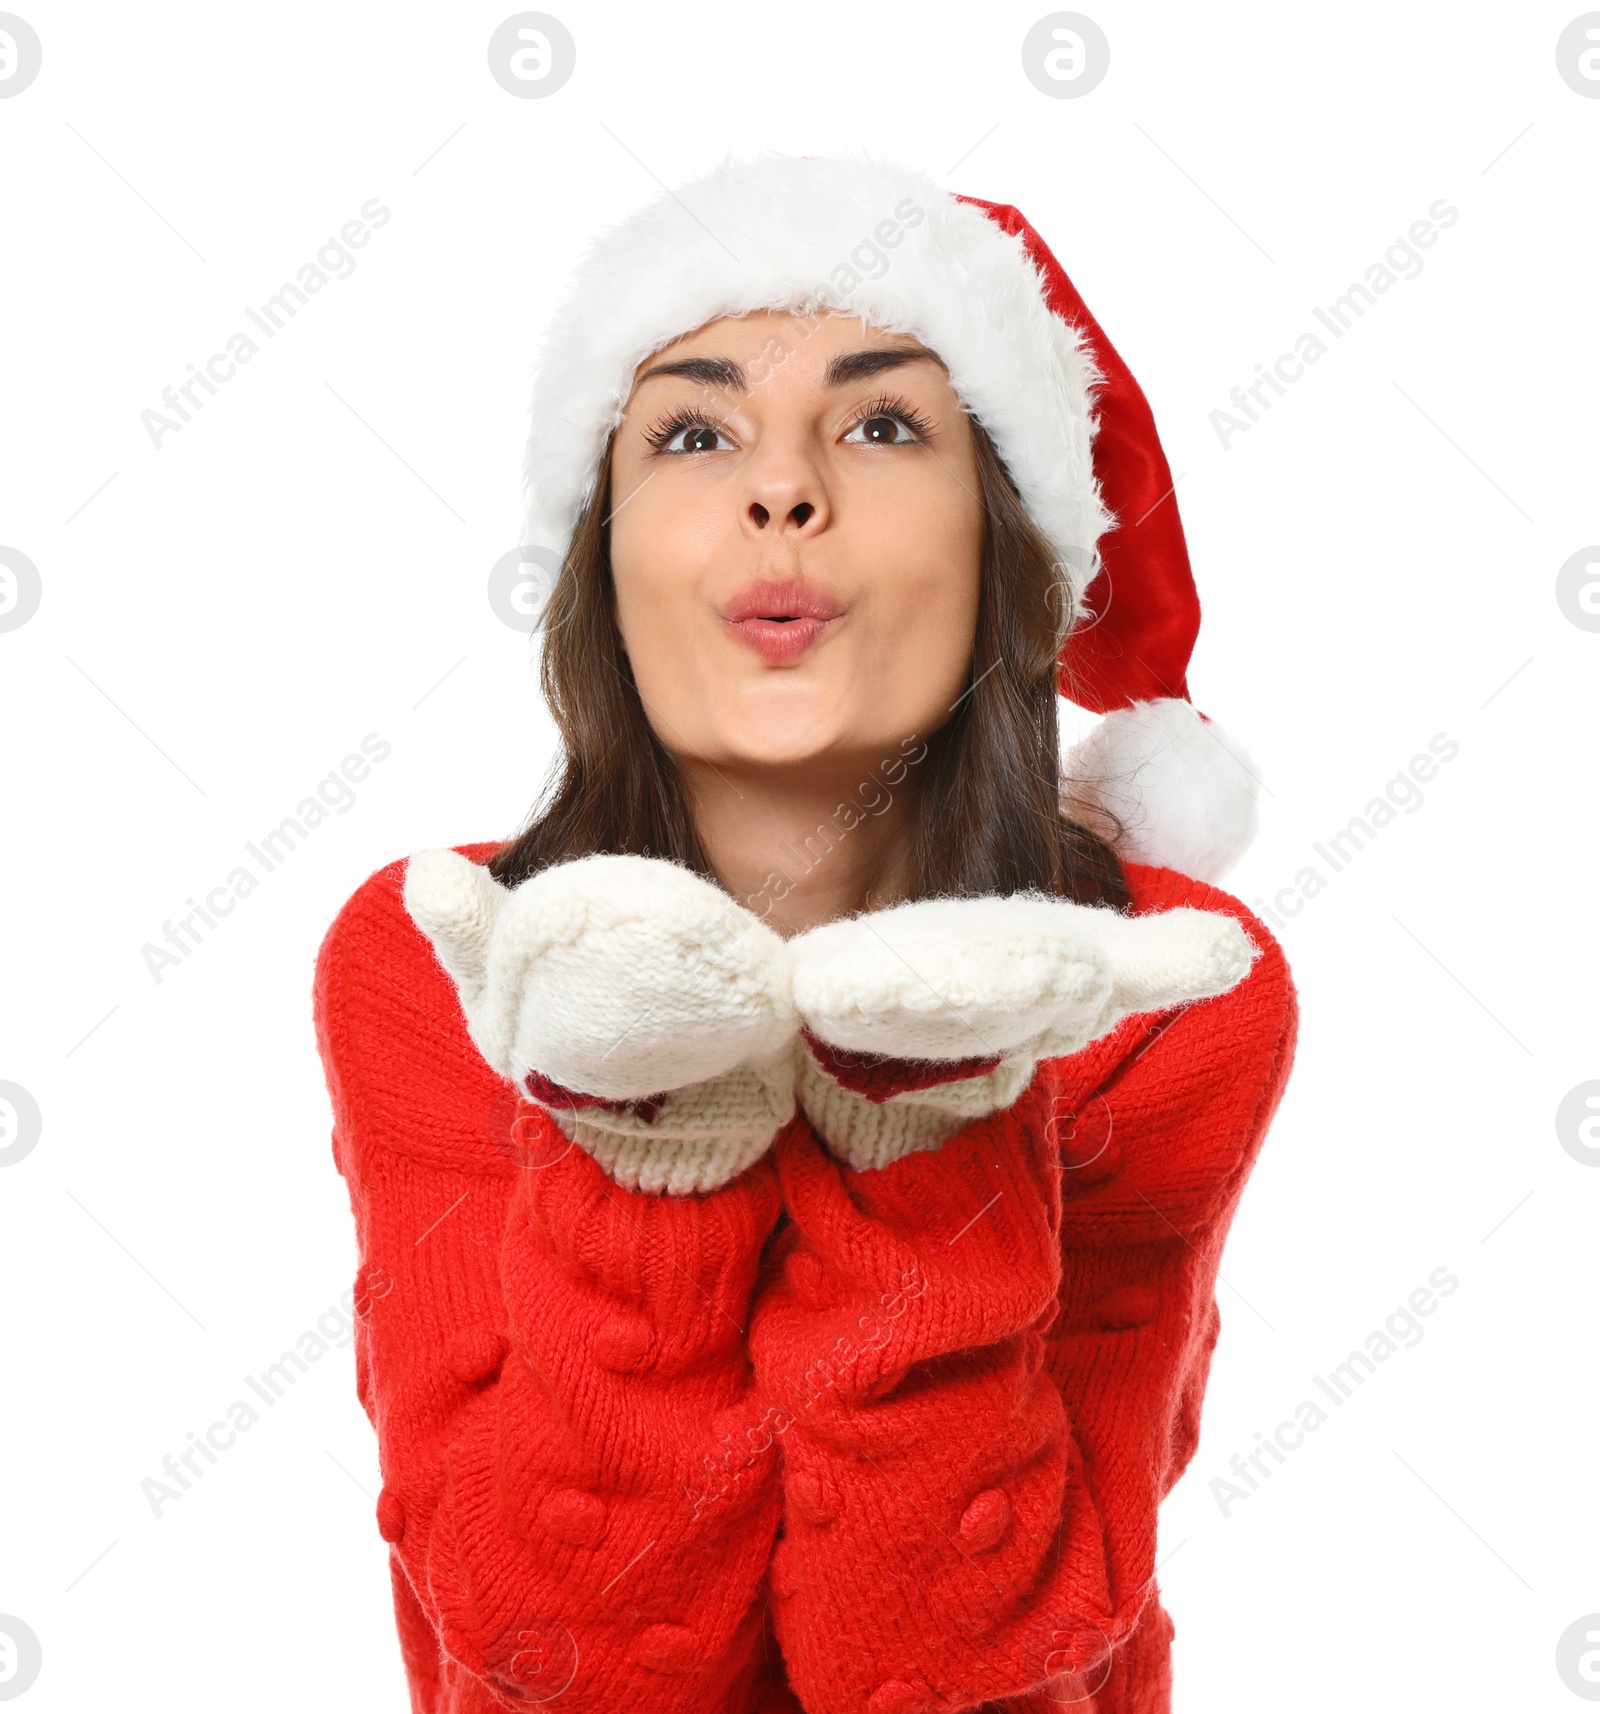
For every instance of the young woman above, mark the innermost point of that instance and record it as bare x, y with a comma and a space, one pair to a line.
790, 1175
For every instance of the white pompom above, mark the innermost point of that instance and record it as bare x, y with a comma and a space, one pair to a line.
1184, 791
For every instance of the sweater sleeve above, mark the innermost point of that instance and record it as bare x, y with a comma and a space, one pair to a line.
953, 1535
550, 1362
1160, 1122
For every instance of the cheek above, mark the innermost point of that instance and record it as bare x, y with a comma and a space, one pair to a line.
924, 552
920, 564
659, 549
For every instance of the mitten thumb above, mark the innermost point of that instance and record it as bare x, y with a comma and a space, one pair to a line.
456, 903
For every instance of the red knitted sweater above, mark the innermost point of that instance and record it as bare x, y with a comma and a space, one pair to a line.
819, 1440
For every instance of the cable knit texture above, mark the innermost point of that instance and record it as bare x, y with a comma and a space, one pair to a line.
823, 1439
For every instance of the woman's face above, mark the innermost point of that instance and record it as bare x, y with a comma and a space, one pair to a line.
796, 533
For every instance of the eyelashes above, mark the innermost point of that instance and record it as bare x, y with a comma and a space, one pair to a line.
670, 427
891, 405
901, 410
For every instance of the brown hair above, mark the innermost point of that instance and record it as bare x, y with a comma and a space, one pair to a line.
989, 818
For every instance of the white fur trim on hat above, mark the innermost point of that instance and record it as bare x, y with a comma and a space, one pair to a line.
866, 238
1184, 790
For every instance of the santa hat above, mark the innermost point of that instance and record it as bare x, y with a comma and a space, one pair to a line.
974, 282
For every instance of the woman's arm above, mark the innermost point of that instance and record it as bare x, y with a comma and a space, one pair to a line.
547, 1357
1212, 1073
937, 1529
962, 1521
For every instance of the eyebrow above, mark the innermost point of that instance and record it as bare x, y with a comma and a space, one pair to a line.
848, 367
858, 365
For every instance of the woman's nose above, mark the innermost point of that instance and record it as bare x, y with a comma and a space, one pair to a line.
785, 496
799, 514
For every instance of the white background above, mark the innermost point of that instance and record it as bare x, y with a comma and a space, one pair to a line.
304, 563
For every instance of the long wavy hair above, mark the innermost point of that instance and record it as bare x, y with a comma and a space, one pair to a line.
988, 816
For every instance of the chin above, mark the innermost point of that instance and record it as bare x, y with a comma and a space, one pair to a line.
778, 746
783, 732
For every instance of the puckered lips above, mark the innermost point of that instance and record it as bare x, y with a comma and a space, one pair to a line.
781, 617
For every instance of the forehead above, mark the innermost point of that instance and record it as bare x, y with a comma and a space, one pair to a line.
741, 334
823, 348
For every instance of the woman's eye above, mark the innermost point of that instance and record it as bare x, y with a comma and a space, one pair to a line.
695, 437
882, 431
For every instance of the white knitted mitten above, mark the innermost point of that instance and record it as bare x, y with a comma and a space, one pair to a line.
648, 1012
984, 989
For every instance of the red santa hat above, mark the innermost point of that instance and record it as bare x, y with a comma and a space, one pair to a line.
973, 281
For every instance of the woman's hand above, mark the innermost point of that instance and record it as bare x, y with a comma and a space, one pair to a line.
658, 1018
628, 996
923, 1017
948, 979
617, 976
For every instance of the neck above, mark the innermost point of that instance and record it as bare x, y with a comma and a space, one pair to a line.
802, 846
